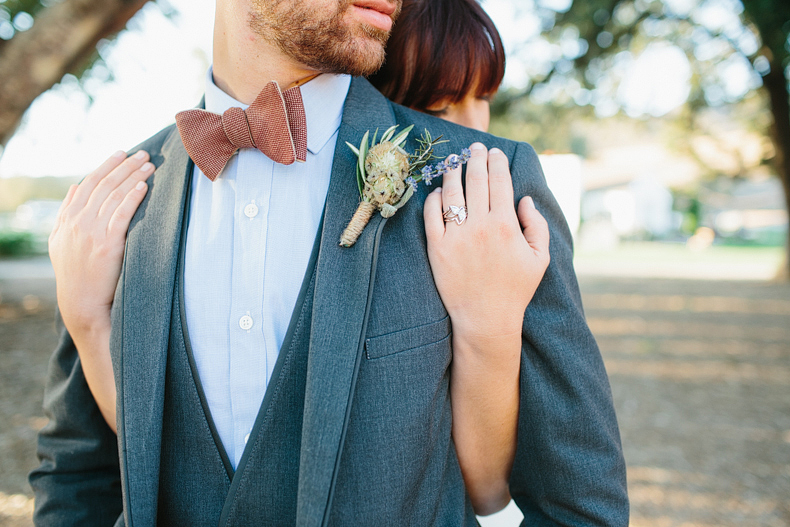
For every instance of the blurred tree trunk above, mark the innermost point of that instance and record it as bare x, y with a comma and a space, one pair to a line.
61, 40
772, 20
776, 85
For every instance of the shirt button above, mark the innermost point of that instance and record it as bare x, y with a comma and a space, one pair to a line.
251, 210
246, 438
245, 322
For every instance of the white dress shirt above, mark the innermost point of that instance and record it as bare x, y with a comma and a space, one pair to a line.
249, 239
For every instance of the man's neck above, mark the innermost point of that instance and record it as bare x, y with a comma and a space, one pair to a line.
245, 63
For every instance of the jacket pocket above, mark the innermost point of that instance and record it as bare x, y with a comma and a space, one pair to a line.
407, 339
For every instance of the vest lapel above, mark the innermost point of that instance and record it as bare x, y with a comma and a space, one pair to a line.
342, 297
141, 327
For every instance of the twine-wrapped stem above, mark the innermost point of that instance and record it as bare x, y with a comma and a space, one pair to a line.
361, 218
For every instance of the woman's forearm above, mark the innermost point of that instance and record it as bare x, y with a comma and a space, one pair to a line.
86, 248
484, 388
93, 347
486, 268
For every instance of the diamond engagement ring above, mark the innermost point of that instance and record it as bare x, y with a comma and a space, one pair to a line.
456, 214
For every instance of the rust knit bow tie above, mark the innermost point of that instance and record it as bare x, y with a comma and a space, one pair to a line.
274, 123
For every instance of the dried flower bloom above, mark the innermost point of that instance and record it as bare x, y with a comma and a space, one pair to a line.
386, 170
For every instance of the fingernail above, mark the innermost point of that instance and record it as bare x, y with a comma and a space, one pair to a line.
438, 190
140, 185
147, 167
530, 202
120, 154
476, 147
495, 150
140, 155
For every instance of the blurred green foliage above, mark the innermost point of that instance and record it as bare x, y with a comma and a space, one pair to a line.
547, 127
591, 37
591, 41
609, 27
16, 243
687, 203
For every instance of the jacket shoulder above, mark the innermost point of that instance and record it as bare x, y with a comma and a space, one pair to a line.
154, 144
450, 131
455, 133
521, 155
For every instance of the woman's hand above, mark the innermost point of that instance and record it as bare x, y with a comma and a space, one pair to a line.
87, 244
486, 271
86, 248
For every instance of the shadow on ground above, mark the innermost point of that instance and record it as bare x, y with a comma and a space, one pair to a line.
700, 375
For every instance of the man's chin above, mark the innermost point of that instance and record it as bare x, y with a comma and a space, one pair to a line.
365, 55
346, 45
363, 66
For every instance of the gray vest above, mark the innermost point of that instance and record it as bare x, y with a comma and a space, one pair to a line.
197, 485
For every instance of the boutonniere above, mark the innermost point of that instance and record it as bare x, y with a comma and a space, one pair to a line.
387, 175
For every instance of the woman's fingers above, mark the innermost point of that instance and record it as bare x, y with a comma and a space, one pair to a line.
452, 189
88, 185
500, 184
119, 194
66, 201
432, 214
123, 214
477, 174
110, 182
535, 227
63, 205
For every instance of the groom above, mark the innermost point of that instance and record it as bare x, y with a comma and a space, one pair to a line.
337, 412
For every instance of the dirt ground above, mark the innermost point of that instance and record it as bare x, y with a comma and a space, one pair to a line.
700, 373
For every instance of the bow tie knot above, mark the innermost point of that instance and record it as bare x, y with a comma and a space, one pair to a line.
237, 128
275, 123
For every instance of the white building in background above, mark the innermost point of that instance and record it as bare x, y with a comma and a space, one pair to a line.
751, 209
564, 177
652, 202
641, 207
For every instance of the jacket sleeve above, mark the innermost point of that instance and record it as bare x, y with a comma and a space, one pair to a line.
78, 480
569, 467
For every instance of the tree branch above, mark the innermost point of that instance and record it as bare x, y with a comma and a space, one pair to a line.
61, 39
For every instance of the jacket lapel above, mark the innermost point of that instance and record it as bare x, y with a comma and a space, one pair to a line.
342, 295
141, 326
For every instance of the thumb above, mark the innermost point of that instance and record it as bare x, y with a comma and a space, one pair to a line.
535, 228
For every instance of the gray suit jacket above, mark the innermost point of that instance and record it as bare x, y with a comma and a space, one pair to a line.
379, 353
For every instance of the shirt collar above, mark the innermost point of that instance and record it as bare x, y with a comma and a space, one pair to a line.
323, 96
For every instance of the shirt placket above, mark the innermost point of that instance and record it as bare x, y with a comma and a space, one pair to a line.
248, 360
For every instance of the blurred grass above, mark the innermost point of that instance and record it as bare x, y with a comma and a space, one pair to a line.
676, 260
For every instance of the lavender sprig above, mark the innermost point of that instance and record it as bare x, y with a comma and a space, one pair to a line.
452, 162
420, 166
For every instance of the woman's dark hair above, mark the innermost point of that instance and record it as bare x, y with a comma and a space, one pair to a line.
439, 51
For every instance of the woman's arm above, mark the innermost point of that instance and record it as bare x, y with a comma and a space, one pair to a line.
86, 248
486, 271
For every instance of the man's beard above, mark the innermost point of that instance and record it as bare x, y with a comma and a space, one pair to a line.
321, 42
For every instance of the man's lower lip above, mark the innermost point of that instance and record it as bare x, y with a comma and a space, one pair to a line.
374, 18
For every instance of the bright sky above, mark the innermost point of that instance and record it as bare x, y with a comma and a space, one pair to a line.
158, 69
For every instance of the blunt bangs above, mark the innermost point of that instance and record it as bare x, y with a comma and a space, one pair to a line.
440, 51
